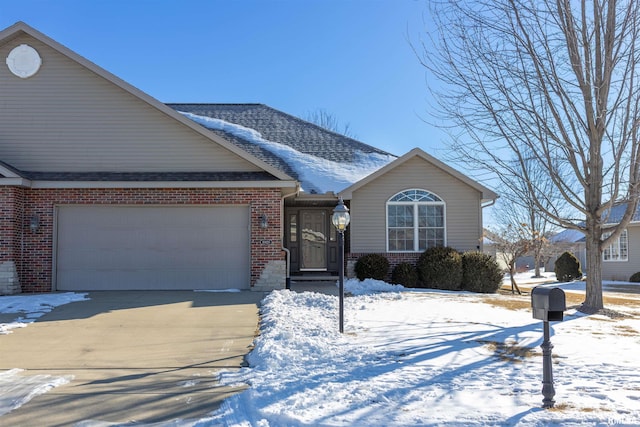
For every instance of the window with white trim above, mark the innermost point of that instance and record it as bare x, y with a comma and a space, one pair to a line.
618, 250
415, 221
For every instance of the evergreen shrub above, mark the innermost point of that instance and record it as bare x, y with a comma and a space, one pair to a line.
440, 268
635, 277
372, 266
405, 274
480, 273
567, 268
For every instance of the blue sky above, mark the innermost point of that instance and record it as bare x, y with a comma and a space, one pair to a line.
351, 58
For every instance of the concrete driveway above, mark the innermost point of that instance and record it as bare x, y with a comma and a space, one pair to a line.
135, 356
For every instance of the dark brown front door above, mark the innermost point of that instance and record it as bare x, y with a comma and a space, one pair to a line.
313, 240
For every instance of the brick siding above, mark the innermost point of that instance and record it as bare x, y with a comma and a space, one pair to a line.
33, 252
11, 226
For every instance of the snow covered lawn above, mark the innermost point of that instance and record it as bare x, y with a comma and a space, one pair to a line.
414, 358
427, 358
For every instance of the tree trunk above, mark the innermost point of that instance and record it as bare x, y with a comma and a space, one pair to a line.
537, 259
593, 297
512, 272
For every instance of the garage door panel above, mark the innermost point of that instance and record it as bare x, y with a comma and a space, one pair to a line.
141, 279
153, 247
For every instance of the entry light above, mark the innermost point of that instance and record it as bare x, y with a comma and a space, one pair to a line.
340, 217
34, 223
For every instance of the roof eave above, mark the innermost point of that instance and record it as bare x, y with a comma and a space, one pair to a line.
21, 182
487, 195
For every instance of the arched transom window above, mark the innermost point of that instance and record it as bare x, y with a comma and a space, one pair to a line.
415, 221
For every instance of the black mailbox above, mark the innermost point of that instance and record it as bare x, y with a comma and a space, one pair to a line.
548, 304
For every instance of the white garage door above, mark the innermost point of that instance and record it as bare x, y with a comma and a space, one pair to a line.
152, 247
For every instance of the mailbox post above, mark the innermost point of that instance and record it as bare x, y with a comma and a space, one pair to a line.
548, 304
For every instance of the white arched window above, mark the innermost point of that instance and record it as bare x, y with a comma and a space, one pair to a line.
415, 221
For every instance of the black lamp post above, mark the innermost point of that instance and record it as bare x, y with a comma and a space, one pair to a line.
340, 220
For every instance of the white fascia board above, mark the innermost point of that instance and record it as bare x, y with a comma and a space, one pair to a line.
8, 173
15, 182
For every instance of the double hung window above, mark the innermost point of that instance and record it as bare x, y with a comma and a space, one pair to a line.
618, 250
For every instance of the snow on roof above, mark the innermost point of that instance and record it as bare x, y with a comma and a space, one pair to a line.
616, 213
317, 175
568, 236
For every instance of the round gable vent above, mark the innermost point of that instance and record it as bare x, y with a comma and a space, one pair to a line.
24, 61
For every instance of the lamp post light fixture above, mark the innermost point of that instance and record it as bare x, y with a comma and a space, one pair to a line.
34, 223
340, 220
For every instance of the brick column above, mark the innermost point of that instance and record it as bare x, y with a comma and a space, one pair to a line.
11, 229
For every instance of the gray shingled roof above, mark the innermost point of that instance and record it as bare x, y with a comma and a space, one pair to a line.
148, 176
612, 217
617, 212
141, 176
282, 128
259, 152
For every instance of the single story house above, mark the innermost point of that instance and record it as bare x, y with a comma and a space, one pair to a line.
621, 258
103, 187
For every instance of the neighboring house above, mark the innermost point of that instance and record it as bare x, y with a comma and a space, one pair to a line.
572, 241
102, 187
490, 247
622, 257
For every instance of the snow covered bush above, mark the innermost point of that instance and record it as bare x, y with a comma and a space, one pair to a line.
405, 274
372, 266
440, 268
567, 268
635, 277
480, 273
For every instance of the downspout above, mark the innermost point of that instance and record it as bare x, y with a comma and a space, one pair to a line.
488, 205
287, 281
286, 251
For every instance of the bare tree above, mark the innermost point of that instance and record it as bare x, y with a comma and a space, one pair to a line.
548, 82
518, 207
510, 242
326, 120
526, 224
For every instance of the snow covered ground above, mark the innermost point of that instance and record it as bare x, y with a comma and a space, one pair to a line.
427, 358
16, 386
27, 308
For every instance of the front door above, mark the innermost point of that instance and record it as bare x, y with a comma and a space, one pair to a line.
313, 240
